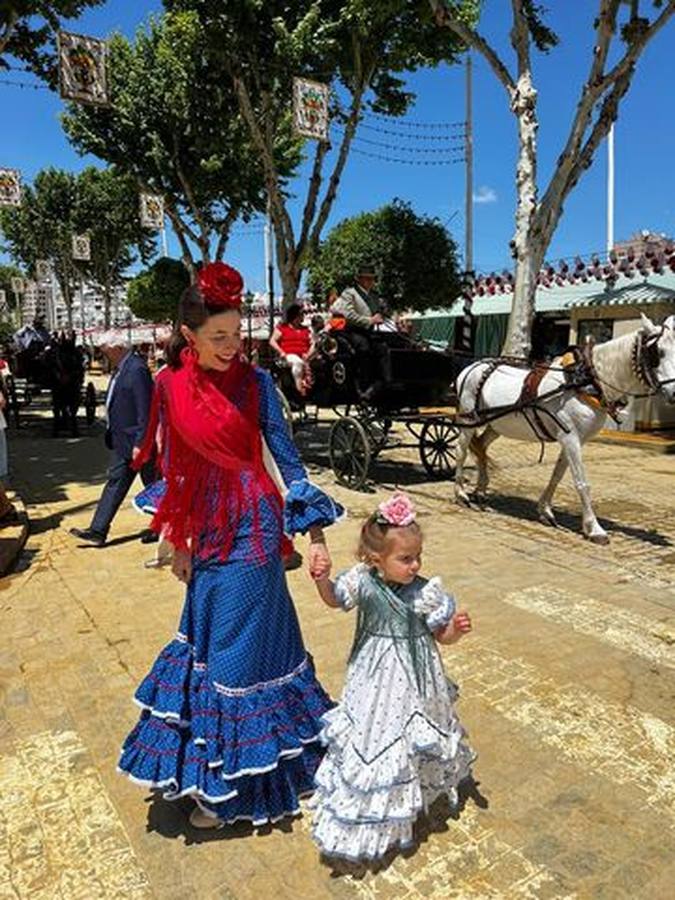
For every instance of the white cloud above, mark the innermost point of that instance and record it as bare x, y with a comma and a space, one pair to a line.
485, 194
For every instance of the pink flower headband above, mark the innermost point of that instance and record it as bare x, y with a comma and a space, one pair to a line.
398, 510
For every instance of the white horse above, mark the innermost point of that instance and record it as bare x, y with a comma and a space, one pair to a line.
635, 364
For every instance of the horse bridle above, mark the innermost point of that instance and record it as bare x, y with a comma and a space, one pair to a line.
645, 357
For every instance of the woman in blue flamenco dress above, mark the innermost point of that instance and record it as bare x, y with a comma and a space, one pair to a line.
231, 708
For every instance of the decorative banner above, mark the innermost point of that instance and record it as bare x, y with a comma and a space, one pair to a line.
43, 269
82, 68
17, 285
10, 187
81, 247
310, 108
152, 211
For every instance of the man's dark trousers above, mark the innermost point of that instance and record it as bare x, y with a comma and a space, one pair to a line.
128, 415
120, 479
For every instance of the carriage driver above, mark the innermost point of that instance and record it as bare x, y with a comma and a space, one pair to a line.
363, 312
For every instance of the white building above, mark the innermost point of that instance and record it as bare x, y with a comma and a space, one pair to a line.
45, 300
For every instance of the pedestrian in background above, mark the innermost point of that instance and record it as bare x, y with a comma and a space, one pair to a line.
4, 404
294, 342
127, 404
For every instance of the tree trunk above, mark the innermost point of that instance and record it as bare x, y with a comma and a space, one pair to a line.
106, 300
527, 249
528, 264
290, 283
68, 300
8, 30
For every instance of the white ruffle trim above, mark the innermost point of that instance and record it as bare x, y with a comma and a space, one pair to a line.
434, 604
347, 585
364, 808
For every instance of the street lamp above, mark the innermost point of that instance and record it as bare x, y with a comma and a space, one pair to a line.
248, 306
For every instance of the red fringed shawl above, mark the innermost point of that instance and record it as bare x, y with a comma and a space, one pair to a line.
210, 447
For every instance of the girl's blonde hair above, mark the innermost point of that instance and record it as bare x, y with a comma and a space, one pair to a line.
374, 535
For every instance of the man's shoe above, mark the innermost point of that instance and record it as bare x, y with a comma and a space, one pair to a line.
149, 537
91, 537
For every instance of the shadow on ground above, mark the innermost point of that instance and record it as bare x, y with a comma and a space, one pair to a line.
524, 509
42, 465
170, 819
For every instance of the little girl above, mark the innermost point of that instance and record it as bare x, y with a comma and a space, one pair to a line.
394, 741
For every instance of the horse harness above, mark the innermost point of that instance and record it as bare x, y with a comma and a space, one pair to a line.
579, 376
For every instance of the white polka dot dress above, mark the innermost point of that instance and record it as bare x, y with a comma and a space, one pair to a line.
394, 741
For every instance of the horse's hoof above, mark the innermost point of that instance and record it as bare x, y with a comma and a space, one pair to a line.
463, 500
598, 538
548, 518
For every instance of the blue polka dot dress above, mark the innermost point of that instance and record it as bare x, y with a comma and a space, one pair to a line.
231, 708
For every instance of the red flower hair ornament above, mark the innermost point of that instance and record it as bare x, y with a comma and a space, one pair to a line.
220, 285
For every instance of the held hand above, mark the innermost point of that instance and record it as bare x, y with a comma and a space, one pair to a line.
319, 561
182, 566
377, 319
135, 453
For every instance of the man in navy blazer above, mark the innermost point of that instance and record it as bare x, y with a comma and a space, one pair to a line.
128, 401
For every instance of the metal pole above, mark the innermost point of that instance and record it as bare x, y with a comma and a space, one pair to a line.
52, 304
468, 237
610, 190
465, 341
82, 310
269, 263
18, 309
165, 248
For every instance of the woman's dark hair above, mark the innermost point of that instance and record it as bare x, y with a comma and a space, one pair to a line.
193, 312
292, 313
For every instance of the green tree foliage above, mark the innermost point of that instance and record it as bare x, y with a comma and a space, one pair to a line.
153, 295
60, 204
415, 258
362, 49
28, 31
621, 31
7, 325
107, 210
42, 227
174, 125
6, 275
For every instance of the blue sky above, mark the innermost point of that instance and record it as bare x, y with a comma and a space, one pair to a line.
645, 142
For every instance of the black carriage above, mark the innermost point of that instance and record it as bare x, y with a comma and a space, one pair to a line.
39, 362
415, 392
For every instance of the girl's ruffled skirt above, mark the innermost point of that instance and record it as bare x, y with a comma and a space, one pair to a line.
364, 808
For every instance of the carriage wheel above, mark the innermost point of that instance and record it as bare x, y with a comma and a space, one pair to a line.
349, 451
90, 403
286, 410
437, 448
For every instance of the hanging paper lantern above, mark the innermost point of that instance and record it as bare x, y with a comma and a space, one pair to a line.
152, 211
10, 187
310, 109
82, 68
81, 247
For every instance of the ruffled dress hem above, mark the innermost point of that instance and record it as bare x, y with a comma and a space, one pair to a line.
365, 808
241, 753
